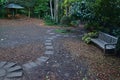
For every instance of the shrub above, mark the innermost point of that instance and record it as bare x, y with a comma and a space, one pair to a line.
49, 21
65, 20
87, 37
93, 26
75, 23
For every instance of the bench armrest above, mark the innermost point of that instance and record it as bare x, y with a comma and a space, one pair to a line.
110, 44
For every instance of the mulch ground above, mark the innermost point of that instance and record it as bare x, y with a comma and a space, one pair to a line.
104, 67
22, 41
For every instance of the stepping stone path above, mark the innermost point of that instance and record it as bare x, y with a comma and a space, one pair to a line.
29, 65
41, 60
10, 71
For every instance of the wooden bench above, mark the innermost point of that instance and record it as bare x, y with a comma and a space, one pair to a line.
105, 41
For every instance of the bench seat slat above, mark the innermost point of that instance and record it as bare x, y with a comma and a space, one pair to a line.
102, 43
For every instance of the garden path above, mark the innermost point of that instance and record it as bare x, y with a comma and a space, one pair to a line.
29, 50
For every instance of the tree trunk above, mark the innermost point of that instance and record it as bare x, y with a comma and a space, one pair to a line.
51, 9
56, 10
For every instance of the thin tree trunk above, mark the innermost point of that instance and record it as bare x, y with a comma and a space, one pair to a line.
51, 9
56, 10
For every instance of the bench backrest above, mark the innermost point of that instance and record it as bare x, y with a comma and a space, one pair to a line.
107, 38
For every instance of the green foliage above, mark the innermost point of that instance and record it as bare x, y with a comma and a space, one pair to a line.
65, 20
41, 8
116, 32
48, 20
102, 10
75, 23
93, 26
87, 37
2, 8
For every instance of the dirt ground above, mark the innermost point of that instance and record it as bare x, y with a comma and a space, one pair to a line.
22, 41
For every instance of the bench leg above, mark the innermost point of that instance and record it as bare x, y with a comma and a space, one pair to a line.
115, 51
104, 51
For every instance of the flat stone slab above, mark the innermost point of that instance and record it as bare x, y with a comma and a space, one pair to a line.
8, 65
50, 38
41, 60
65, 35
48, 31
51, 33
16, 68
30, 65
2, 63
14, 74
49, 47
10, 71
48, 44
58, 35
73, 36
49, 52
48, 41
54, 37
2, 72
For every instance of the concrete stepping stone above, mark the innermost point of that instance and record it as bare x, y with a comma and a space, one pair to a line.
51, 33
65, 35
2, 63
10, 71
73, 36
16, 68
49, 52
30, 65
58, 35
49, 47
14, 74
48, 31
48, 44
41, 60
50, 38
48, 41
8, 65
54, 37
2, 72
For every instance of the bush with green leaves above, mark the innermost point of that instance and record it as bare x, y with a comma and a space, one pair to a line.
93, 26
87, 37
49, 21
75, 23
65, 20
